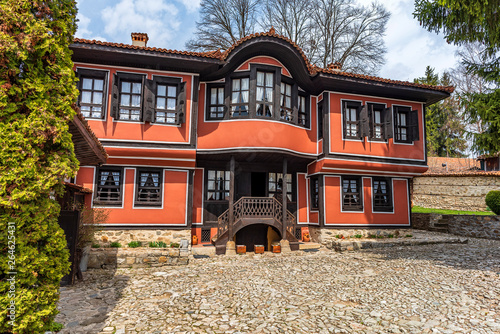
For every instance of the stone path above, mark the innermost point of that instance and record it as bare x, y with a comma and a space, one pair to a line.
447, 288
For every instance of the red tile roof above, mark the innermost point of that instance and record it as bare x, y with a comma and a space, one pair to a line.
313, 69
453, 165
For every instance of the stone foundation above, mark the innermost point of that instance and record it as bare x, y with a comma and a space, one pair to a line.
464, 225
105, 237
453, 192
136, 257
326, 236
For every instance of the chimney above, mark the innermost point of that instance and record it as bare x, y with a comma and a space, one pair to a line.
335, 66
139, 39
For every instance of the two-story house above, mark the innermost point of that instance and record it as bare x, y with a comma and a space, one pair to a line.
251, 145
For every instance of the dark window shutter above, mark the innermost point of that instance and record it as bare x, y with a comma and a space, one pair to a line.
370, 133
114, 98
79, 86
364, 121
388, 131
148, 112
414, 125
181, 102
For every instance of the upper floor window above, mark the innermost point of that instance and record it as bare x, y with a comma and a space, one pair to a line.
218, 185
109, 186
92, 93
130, 100
352, 193
351, 115
166, 102
303, 115
149, 183
264, 94
240, 97
216, 102
382, 198
286, 102
405, 124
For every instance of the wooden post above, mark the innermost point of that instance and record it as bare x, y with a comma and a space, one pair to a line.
283, 191
231, 199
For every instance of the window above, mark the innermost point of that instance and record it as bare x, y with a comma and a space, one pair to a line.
351, 115
405, 124
382, 198
149, 183
264, 94
205, 235
166, 103
298, 233
376, 112
109, 186
240, 97
314, 193
275, 185
92, 86
351, 193
320, 120
130, 100
216, 102
286, 102
218, 185
303, 115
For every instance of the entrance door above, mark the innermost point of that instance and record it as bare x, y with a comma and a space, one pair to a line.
258, 184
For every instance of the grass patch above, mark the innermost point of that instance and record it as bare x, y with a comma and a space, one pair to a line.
135, 244
115, 244
418, 209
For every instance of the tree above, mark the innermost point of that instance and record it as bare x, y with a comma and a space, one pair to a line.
444, 128
223, 22
37, 100
464, 22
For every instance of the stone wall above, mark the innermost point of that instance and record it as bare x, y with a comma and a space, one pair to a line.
136, 257
464, 225
460, 192
326, 236
105, 237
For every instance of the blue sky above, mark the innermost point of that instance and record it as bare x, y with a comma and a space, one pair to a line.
170, 23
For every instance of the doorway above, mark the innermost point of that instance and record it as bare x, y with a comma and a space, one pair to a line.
258, 184
257, 234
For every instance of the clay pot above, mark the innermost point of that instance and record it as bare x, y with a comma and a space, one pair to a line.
241, 249
306, 237
259, 249
276, 248
195, 240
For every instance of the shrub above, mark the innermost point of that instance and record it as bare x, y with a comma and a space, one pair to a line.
115, 244
96, 246
359, 236
157, 244
37, 101
135, 244
90, 220
493, 201
174, 245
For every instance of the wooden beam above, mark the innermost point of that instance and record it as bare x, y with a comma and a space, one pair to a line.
231, 199
283, 192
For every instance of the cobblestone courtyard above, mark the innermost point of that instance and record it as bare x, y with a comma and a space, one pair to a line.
448, 288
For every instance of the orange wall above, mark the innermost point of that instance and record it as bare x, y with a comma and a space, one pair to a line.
313, 214
364, 147
333, 214
174, 199
198, 196
338, 166
112, 129
302, 198
263, 60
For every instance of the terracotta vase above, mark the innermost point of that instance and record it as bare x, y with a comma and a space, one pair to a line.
259, 249
195, 240
306, 237
241, 249
276, 249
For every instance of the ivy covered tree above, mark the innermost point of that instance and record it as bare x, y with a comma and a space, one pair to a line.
466, 22
443, 125
37, 101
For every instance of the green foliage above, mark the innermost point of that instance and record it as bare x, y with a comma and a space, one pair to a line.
418, 209
135, 244
37, 100
157, 244
96, 246
443, 126
53, 327
174, 245
115, 244
493, 201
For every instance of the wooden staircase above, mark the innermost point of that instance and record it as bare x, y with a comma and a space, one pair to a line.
254, 210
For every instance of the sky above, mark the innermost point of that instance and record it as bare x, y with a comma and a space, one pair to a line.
170, 23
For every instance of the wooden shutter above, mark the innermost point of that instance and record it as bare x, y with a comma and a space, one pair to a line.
364, 121
414, 133
180, 110
114, 98
388, 129
371, 121
148, 111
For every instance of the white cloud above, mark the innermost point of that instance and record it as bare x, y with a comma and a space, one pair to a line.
191, 5
157, 18
83, 30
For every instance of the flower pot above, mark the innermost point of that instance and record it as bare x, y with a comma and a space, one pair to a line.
306, 237
195, 240
259, 249
241, 249
276, 248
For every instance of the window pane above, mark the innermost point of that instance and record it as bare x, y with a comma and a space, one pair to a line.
377, 116
282, 89
403, 119
125, 100
269, 79
97, 98
260, 94
136, 100
236, 85
244, 83
288, 103
160, 102
353, 115
172, 91
136, 88
98, 84
213, 96
221, 95
289, 90
86, 97
234, 98
269, 95
161, 90
87, 84
171, 104
244, 97
211, 174
260, 79
125, 87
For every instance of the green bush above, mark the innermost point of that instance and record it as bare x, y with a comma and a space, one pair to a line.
174, 245
157, 244
135, 244
96, 246
493, 201
37, 101
115, 244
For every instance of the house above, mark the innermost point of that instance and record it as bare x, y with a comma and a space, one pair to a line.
490, 162
250, 145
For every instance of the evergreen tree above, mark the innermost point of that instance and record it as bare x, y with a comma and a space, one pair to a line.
444, 128
37, 101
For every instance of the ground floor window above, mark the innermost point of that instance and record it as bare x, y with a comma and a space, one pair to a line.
314, 193
351, 193
109, 186
148, 191
205, 235
218, 185
382, 194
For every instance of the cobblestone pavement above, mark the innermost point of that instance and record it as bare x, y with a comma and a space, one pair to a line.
448, 288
